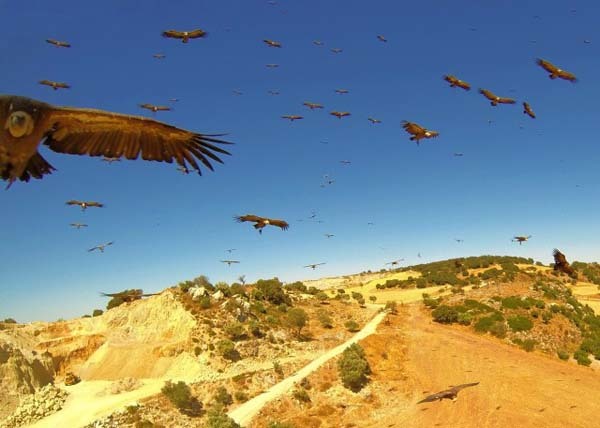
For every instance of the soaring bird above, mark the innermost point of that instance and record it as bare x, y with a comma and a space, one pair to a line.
272, 92
341, 91
292, 117
230, 250
521, 239
336, 50
261, 222
312, 106
373, 120
272, 65
159, 56
54, 85
345, 162
129, 295
555, 71
454, 81
101, 247
78, 225
154, 108
229, 262
418, 132
458, 154
495, 99
318, 43
84, 204
527, 110
272, 43
395, 262
314, 265
329, 235
58, 43
459, 240
108, 159
561, 263
237, 92
450, 394
27, 123
340, 114
381, 38
185, 36
173, 100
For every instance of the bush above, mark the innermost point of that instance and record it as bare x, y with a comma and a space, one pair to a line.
204, 302
465, 318
181, 396
373, 299
277, 368
391, 307
582, 358
431, 303
227, 350
528, 345
240, 396
324, 319
445, 314
272, 291
484, 324
114, 302
563, 355
280, 425
498, 329
353, 368
520, 323
351, 326
301, 395
322, 296
97, 312
222, 397
297, 319
218, 419
236, 331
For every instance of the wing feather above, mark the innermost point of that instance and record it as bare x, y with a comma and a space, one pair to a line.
279, 223
249, 217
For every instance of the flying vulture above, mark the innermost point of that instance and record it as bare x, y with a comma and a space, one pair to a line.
229, 262
314, 265
395, 262
55, 85
336, 50
185, 36
154, 108
292, 117
555, 71
495, 99
342, 91
108, 159
345, 162
318, 42
129, 295
457, 82
450, 394
101, 247
78, 225
272, 92
27, 123
458, 154
159, 56
312, 106
261, 222
237, 92
272, 65
85, 204
561, 263
373, 120
521, 239
58, 43
381, 38
340, 114
272, 43
527, 110
329, 235
417, 131
459, 240
230, 250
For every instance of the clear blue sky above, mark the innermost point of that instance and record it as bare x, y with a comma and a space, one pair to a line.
517, 175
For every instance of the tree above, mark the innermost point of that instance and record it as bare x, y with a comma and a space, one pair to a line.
180, 395
297, 319
353, 368
223, 398
373, 299
97, 312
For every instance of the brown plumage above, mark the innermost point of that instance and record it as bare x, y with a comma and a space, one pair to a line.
312, 106
261, 222
555, 71
55, 85
561, 263
314, 265
340, 114
84, 204
337, 50
159, 56
154, 108
101, 247
521, 239
417, 131
373, 120
527, 110
272, 43
341, 91
129, 295
184, 36
58, 43
451, 394
495, 99
27, 123
454, 81
292, 117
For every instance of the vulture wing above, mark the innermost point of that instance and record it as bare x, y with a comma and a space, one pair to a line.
567, 76
197, 33
249, 217
413, 128
173, 34
488, 94
502, 100
74, 202
279, 223
434, 397
548, 66
463, 386
527, 110
559, 258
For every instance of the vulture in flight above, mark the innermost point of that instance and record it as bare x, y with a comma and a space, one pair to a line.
457, 82
154, 108
336, 50
329, 235
373, 120
561, 263
345, 162
292, 117
381, 38
229, 262
108, 159
58, 43
54, 85
85, 204
318, 43
341, 91
312, 106
555, 71
314, 265
272, 92
28, 123
521, 239
458, 154
101, 247
185, 36
418, 132
450, 394
272, 65
129, 295
78, 225
495, 99
527, 110
229, 250
340, 114
261, 222
272, 43
395, 262
159, 56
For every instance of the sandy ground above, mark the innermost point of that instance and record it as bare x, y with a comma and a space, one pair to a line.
244, 413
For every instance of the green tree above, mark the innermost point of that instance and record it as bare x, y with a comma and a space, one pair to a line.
97, 312
353, 368
297, 319
180, 395
373, 299
223, 398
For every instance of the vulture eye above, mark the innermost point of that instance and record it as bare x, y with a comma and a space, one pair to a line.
19, 124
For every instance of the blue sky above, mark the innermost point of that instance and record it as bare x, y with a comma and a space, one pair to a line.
517, 175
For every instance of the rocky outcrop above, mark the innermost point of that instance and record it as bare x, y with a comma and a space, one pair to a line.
45, 402
23, 375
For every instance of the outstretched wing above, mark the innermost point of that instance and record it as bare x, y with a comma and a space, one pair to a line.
100, 133
503, 100
249, 217
173, 34
463, 386
548, 66
74, 202
279, 223
559, 258
433, 397
488, 94
567, 76
527, 110
197, 33
94, 204
413, 128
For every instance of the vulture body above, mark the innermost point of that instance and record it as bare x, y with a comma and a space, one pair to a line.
561, 264
55, 85
555, 71
527, 110
272, 43
521, 239
451, 394
312, 106
58, 43
314, 265
340, 114
85, 204
129, 295
154, 108
373, 120
418, 132
229, 262
262, 222
341, 91
292, 117
184, 36
455, 82
101, 247
495, 99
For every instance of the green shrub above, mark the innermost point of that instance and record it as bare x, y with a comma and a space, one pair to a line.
519, 323
353, 368
465, 318
204, 302
301, 395
272, 291
240, 396
226, 349
97, 312
582, 358
236, 331
484, 324
278, 369
528, 345
180, 395
324, 319
222, 397
445, 314
114, 302
431, 303
297, 319
351, 326
217, 418
322, 296
546, 316
498, 329
391, 307
562, 354
280, 425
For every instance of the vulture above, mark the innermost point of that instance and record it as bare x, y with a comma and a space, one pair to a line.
336, 50
458, 154
395, 262
85, 204
555, 71
527, 110
418, 132
450, 394
329, 235
78, 225
312, 106
54, 85
229, 250
345, 162
101, 247
457, 82
373, 120
561, 263
318, 42
459, 240
292, 117
261, 222
28, 123
110, 160
185, 36
495, 99
272, 43
521, 239
237, 92
341, 91
314, 265
272, 92
58, 43
129, 295
272, 65
340, 114
173, 100
154, 108
159, 56
229, 262
381, 38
